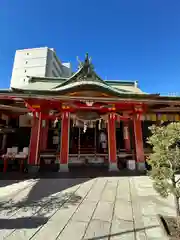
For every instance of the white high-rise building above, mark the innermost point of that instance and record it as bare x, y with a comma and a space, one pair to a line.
42, 62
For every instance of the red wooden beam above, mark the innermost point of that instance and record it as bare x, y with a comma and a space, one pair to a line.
29, 106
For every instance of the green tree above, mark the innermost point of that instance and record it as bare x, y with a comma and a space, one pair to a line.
165, 160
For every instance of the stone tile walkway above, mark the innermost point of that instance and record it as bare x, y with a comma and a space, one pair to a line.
108, 208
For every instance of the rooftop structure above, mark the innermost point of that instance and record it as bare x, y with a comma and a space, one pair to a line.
85, 75
39, 62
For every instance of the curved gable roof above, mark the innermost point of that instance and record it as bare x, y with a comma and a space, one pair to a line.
84, 78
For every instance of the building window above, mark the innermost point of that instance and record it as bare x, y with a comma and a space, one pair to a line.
26, 62
27, 53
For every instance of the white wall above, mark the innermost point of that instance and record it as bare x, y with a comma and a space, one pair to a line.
41, 62
54, 66
54, 69
28, 62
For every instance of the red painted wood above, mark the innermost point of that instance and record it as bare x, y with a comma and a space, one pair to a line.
64, 150
5, 164
138, 140
45, 104
34, 146
127, 142
112, 138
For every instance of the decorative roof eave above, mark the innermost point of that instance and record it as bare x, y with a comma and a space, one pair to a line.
85, 72
53, 96
76, 75
89, 84
85, 85
122, 82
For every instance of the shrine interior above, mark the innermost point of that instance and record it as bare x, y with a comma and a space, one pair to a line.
83, 143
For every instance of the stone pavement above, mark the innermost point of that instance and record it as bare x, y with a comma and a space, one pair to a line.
108, 208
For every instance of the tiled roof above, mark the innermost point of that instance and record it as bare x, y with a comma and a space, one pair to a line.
85, 77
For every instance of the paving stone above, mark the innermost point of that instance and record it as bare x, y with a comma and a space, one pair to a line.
103, 211
46, 208
145, 212
96, 192
155, 233
136, 207
141, 235
125, 236
84, 212
74, 230
148, 209
121, 228
123, 210
109, 193
58, 221
150, 220
97, 229
123, 192
103, 208
55, 225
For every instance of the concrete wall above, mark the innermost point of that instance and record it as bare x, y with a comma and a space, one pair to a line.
54, 66
28, 62
41, 62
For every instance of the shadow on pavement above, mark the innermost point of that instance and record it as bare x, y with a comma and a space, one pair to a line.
4, 183
77, 172
45, 196
24, 222
46, 187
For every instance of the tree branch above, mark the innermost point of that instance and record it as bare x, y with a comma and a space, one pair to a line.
170, 164
177, 180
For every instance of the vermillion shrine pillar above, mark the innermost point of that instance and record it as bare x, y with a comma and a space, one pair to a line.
64, 149
127, 142
139, 148
112, 142
34, 147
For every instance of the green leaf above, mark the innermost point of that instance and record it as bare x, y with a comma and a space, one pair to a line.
165, 158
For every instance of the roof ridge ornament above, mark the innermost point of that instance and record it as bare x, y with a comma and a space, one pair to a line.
87, 65
80, 65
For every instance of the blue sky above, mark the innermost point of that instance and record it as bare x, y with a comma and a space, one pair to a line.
127, 39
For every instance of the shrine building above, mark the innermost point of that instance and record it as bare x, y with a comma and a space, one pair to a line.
81, 120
